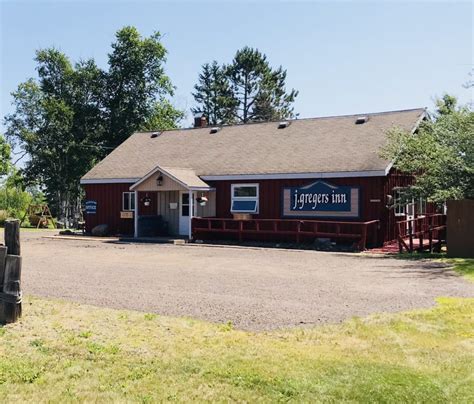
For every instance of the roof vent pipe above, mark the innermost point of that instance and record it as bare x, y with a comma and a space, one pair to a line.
200, 121
215, 129
361, 119
283, 124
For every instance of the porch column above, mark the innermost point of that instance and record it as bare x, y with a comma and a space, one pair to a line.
191, 213
135, 216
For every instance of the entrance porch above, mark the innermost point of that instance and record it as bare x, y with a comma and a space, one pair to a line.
167, 199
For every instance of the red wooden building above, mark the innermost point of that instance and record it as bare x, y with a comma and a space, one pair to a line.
293, 180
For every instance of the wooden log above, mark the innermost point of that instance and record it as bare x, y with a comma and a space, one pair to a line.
12, 236
11, 280
10, 298
3, 256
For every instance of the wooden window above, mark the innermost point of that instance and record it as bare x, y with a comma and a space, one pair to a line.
244, 198
398, 202
421, 206
128, 201
184, 204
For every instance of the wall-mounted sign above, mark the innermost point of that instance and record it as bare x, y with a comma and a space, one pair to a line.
126, 214
91, 207
321, 199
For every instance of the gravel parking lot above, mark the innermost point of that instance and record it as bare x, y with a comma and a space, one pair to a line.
256, 289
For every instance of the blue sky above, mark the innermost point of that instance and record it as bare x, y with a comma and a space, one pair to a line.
343, 57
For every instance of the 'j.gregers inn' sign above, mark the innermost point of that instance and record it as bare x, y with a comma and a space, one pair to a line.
321, 199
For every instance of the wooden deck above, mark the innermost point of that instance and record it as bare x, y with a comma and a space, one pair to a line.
426, 233
285, 229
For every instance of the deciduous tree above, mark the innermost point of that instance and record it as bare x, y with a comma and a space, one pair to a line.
73, 115
440, 153
4, 156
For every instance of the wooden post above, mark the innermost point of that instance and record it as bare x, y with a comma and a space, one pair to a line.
10, 274
12, 236
410, 234
3, 257
363, 240
399, 237
430, 233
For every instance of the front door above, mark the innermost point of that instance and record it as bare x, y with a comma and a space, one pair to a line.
184, 213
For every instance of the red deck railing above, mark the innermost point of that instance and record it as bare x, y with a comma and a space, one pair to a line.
426, 233
299, 229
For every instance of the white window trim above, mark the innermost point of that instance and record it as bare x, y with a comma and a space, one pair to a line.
398, 210
131, 197
422, 207
245, 198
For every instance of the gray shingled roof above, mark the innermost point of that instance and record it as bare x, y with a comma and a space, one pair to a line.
315, 145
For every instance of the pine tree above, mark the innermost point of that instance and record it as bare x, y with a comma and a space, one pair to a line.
247, 90
258, 90
213, 95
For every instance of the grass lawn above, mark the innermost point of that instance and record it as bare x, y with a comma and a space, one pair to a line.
63, 351
465, 266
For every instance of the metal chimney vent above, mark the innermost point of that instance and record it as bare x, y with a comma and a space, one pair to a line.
283, 124
215, 129
361, 119
155, 134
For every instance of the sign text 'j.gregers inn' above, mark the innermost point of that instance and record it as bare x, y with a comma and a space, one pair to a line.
321, 199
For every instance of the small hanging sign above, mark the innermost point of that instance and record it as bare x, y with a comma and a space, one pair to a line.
126, 214
91, 207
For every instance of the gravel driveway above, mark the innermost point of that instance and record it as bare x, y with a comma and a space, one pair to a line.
256, 289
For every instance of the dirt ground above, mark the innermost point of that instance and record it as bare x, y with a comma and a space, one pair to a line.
255, 289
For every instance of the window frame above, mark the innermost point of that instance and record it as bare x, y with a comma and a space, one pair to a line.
255, 198
182, 204
398, 209
131, 201
422, 207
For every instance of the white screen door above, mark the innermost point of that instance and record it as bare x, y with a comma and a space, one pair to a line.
183, 213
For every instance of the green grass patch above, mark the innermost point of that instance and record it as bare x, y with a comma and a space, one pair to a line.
464, 266
62, 351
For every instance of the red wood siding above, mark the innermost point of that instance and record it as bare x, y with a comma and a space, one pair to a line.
371, 188
109, 206
109, 201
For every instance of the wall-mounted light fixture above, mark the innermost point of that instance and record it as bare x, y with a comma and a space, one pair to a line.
159, 180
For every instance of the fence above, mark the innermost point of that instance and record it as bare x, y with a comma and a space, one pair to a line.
285, 228
460, 228
422, 233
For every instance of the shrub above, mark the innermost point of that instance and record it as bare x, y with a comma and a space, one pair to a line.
14, 201
3, 217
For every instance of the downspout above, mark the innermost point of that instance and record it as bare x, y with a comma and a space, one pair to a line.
191, 213
135, 216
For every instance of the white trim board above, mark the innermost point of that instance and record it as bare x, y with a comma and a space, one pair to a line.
169, 175
109, 181
337, 174
281, 176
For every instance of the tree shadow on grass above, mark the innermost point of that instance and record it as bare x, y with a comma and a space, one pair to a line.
435, 264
